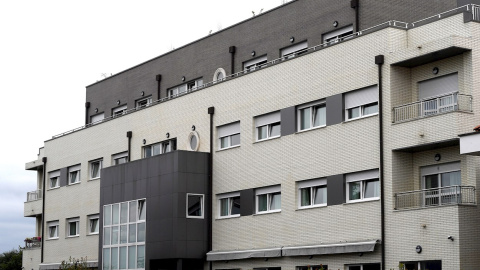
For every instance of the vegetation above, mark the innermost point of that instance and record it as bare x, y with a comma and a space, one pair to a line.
11, 260
74, 264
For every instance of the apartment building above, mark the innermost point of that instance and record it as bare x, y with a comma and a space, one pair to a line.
320, 134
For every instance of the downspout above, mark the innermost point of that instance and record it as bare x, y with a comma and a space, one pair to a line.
87, 105
379, 60
129, 136
231, 50
211, 111
44, 160
159, 79
355, 5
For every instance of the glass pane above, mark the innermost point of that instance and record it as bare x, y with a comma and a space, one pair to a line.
53, 231
372, 189
123, 258
115, 213
114, 258
141, 210
53, 182
140, 256
124, 213
166, 147
141, 232
95, 169
262, 132
370, 109
305, 118
73, 177
133, 211
219, 76
224, 207
275, 130
106, 236
131, 257
156, 149
95, 224
235, 206
224, 142
235, 139
451, 179
305, 196
354, 112
431, 181
354, 191
132, 233
182, 89
106, 259
194, 205
114, 235
193, 142
123, 234
73, 228
262, 203
320, 116
107, 215
320, 195
276, 202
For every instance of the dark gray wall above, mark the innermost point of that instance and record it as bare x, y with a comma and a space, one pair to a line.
247, 202
64, 177
164, 181
336, 189
335, 109
288, 121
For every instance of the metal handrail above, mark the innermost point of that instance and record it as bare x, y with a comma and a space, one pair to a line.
450, 195
34, 195
439, 15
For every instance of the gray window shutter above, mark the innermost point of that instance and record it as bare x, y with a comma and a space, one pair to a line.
438, 86
361, 97
228, 129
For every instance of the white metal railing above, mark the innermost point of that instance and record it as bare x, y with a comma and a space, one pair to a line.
468, 7
34, 195
464, 195
432, 106
34, 242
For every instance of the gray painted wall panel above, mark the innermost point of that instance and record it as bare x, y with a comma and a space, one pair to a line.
288, 121
335, 189
63, 177
335, 110
247, 202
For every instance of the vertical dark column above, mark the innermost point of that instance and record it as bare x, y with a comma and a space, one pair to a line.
354, 4
129, 136
211, 111
231, 50
379, 60
159, 79
44, 160
87, 105
179, 264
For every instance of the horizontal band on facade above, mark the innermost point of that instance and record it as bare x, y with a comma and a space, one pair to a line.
56, 266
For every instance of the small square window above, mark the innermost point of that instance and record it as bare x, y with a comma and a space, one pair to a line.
74, 174
144, 102
52, 229
159, 148
312, 193
119, 111
229, 141
361, 103
54, 182
93, 224
195, 205
229, 135
363, 186
72, 227
229, 205
311, 116
95, 168
268, 199
120, 158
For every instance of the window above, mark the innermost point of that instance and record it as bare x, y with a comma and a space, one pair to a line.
160, 148
363, 186
144, 102
268, 126
119, 110
361, 103
72, 227
94, 119
52, 229
229, 205
312, 193
337, 35
229, 135
440, 183
124, 231
219, 75
294, 50
268, 199
193, 141
74, 174
254, 64
184, 88
54, 179
422, 265
93, 224
120, 158
372, 266
313, 267
95, 168
438, 95
311, 115
195, 205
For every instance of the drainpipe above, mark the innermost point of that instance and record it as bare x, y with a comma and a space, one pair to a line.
44, 160
354, 4
379, 60
211, 111
87, 105
231, 50
129, 136
159, 79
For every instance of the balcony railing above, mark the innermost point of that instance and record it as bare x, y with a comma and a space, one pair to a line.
34, 242
459, 195
34, 195
436, 105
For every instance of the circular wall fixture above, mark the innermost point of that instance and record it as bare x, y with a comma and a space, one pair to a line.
435, 70
118, 102
144, 141
335, 24
183, 78
96, 110
438, 157
168, 135
292, 39
253, 53
193, 141
418, 249
193, 127
219, 74
142, 93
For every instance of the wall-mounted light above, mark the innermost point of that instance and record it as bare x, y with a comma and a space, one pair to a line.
418, 249
438, 157
168, 135
142, 93
118, 102
335, 24
96, 110
450, 238
253, 53
144, 141
193, 127
183, 78
292, 39
435, 70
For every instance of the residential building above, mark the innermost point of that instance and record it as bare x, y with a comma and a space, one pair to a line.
337, 135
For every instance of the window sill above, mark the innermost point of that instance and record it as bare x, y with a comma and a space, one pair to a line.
93, 179
72, 236
267, 212
314, 128
311, 207
227, 217
53, 188
267, 139
51, 239
364, 200
72, 184
195, 217
362, 117
227, 148
92, 234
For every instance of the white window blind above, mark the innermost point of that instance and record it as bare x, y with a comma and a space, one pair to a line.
54, 174
361, 97
97, 117
266, 119
254, 61
124, 107
438, 86
442, 168
74, 168
294, 48
119, 155
312, 183
266, 190
228, 129
337, 32
364, 175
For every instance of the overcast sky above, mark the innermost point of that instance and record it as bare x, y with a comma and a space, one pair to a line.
50, 50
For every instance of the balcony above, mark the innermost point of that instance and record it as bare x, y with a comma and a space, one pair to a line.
34, 195
33, 205
34, 242
433, 106
452, 195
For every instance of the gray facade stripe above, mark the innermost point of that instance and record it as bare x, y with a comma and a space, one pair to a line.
63, 176
244, 254
288, 121
367, 246
247, 202
336, 189
335, 109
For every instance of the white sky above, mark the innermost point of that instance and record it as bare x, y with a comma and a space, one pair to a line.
50, 50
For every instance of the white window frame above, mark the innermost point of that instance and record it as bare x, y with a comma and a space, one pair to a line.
337, 35
228, 131
54, 175
362, 178
361, 99
269, 191
97, 118
441, 194
202, 205
184, 88
147, 101
312, 185
71, 171
218, 72
229, 197
254, 64
70, 222
100, 166
229, 140
119, 110
91, 219
361, 111
164, 147
267, 120
117, 157
51, 224
294, 50
312, 107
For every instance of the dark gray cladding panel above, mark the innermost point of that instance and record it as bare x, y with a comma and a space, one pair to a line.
247, 202
335, 110
335, 189
288, 121
465, 2
63, 177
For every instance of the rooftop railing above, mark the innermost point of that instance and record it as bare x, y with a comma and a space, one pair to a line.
34, 195
432, 106
452, 195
